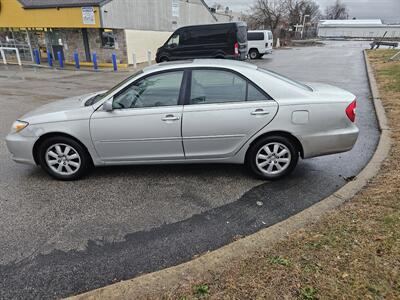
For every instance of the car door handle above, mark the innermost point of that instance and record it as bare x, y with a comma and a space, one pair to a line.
170, 118
259, 112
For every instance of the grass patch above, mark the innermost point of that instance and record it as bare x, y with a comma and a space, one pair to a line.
201, 290
277, 260
308, 293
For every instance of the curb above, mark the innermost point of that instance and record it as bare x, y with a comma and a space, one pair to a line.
161, 281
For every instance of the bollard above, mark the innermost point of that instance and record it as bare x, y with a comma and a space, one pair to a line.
76, 58
60, 59
149, 57
49, 59
278, 43
3, 55
114, 61
37, 56
134, 60
95, 61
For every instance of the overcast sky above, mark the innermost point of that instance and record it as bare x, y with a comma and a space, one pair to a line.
387, 10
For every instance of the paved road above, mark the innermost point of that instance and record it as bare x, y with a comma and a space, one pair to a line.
59, 238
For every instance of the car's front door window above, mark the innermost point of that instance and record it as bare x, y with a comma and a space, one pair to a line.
153, 91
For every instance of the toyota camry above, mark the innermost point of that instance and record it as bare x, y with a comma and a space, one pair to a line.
200, 111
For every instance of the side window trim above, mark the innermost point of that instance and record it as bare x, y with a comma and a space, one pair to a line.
182, 87
186, 100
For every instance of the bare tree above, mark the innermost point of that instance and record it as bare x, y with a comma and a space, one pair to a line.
267, 14
337, 11
297, 9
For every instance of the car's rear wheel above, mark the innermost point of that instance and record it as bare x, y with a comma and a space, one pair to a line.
253, 54
273, 157
63, 158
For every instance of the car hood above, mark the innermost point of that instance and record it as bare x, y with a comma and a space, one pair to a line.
59, 110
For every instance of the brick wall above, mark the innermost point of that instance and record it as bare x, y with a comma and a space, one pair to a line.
74, 42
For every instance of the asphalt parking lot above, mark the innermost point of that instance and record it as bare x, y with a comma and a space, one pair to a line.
63, 238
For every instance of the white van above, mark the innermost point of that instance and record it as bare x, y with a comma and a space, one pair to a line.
260, 43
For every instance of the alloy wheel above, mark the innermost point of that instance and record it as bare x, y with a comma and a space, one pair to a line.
273, 158
63, 159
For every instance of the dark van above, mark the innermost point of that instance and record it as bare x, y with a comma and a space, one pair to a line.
224, 40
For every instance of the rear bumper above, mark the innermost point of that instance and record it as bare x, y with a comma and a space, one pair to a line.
21, 148
324, 143
265, 51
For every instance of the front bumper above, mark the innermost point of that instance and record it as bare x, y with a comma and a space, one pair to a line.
21, 148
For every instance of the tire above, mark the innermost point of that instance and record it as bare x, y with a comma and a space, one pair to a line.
253, 54
163, 59
279, 162
64, 158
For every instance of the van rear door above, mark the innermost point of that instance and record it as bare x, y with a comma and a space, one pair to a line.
241, 36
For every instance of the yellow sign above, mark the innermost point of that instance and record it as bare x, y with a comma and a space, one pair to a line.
13, 15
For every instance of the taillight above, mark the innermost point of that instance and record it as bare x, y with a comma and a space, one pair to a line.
236, 49
351, 111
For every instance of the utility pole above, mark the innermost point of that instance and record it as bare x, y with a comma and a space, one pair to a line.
304, 24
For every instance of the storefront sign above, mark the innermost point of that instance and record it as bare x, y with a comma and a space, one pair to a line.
88, 16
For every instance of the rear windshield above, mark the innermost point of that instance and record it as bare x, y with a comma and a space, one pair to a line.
287, 79
269, 35
242, 34
255, 36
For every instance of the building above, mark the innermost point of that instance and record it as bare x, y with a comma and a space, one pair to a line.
122, 27
357, 29
227, 15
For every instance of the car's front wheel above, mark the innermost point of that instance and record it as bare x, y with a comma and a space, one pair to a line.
273, 157
63, 158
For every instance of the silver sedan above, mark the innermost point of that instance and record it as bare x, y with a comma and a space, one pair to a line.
201, 111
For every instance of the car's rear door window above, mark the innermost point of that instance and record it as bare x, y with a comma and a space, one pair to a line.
254, 94
217, 86
222, 86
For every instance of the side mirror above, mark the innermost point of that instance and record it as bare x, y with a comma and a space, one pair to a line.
108, 105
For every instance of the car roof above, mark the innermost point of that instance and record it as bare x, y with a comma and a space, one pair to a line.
227, 24
207, 63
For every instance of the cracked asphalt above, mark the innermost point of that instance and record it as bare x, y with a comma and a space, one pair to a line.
63, 238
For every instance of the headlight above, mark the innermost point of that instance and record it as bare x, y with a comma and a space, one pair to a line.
18, 126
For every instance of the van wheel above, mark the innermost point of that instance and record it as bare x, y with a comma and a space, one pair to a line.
164, 59
253, 54
272, 157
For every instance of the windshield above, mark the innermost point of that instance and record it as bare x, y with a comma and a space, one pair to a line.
97, 98
287, 79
